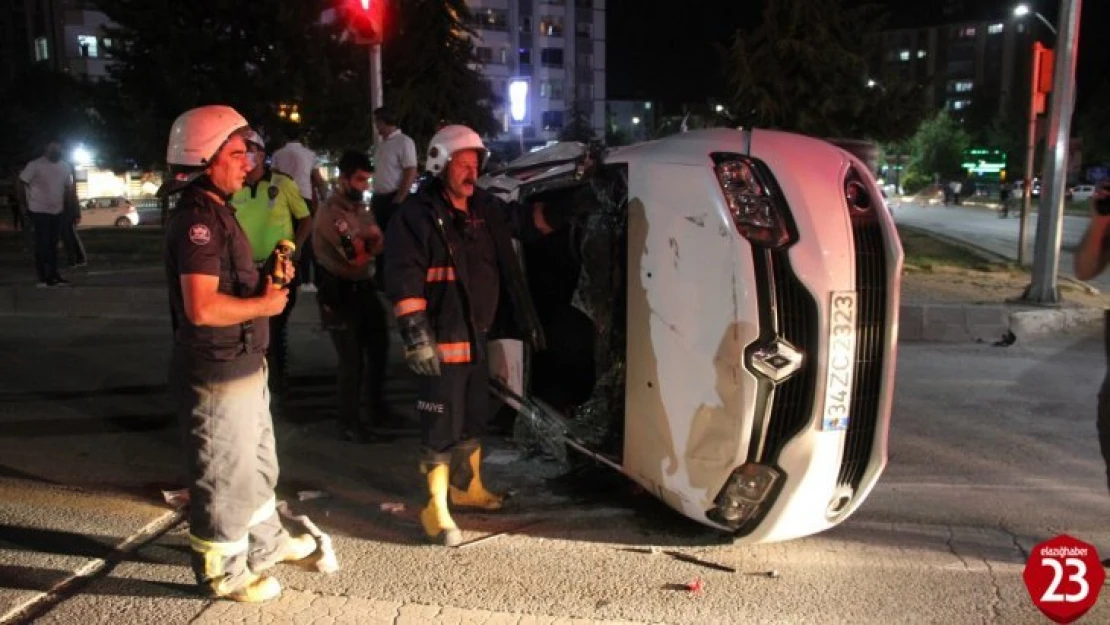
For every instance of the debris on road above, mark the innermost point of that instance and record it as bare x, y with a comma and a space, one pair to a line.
177, 499
309, 495
678, 555
502, 456
327, 561
696, 586
393, 507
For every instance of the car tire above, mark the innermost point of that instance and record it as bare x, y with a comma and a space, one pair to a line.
123, 222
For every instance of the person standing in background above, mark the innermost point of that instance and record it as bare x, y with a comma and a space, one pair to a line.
297, 161
394, 173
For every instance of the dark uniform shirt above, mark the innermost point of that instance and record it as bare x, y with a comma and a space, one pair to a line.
479, 259
203, 237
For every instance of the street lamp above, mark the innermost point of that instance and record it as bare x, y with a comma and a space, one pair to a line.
1022, 10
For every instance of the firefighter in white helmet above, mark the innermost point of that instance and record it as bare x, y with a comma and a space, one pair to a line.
454, 282
220, 304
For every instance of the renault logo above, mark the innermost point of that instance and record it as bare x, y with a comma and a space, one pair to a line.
777, 361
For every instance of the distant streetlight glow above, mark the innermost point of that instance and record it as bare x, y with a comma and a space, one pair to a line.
871, 83
82, 156
720, 108
1022, 10
518, 100
635, 121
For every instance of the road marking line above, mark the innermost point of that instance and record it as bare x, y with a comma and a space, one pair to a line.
41, 603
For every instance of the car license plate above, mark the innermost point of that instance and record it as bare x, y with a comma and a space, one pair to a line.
841, 363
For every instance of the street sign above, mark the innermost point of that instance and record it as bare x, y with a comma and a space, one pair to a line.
1064, 577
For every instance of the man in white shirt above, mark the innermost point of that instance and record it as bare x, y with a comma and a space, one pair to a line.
45, 186
394, 173
298, 162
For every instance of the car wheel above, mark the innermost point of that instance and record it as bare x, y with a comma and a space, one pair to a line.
123, 222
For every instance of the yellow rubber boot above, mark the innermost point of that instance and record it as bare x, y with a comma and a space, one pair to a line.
258, 589
467, 490
436, 518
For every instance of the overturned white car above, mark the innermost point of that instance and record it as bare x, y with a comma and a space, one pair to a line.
722, 319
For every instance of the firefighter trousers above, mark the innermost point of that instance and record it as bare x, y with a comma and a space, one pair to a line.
454, 406
230, 455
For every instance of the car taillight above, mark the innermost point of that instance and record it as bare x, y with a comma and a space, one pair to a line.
757, 206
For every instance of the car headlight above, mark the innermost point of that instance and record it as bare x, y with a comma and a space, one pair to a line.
757, 205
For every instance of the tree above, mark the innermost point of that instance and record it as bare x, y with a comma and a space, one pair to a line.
38, 104
1094, 127
579, 128
169, 56
937, 149
806, 69
429, 66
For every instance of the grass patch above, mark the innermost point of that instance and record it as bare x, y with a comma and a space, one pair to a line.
930, 253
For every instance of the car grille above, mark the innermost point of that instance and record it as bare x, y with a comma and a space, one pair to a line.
871, 319
796, 321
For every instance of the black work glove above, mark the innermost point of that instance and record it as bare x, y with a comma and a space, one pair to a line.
421, 352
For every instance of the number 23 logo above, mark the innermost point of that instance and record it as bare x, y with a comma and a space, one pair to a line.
1052, 594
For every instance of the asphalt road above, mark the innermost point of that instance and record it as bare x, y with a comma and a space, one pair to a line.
985, 229
993, 450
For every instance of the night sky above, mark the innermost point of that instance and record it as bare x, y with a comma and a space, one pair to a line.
665, 50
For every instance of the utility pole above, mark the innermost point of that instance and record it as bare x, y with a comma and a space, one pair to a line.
375, 88
1046, 256
1030, 155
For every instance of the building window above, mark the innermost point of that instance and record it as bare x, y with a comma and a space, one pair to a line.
551, 57
485, 55
921, 54
585, 60
584, 4
552, 120
962, 86
525, 56
551, 89
526, 25
904, 55
87, 46
647, 106
967, 32
503, 56
557, 3
996, 29
42, 49
585, 91
491, 19
583, 29
551, 26
958, 105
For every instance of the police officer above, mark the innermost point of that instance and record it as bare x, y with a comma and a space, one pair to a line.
270, 209
346, 239
217, 370
452, 274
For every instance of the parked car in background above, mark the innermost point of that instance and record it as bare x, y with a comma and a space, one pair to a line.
1082, 192
99, 212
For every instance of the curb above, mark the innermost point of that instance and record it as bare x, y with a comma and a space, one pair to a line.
957, 323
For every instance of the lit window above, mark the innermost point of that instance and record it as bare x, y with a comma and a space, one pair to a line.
962, 86
904, 55
959, 105
86, 46
551, 26
995, 29
491, 19
42, 49
921, 54
647, 106
968, 32
551, 89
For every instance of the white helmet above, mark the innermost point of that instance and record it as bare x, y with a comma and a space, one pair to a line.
448, 141
198, 134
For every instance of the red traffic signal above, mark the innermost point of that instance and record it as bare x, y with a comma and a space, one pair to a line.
365, 20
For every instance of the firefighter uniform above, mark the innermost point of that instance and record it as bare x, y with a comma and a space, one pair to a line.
217, 379
455, 281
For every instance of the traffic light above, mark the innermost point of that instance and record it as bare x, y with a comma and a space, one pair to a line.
365, 20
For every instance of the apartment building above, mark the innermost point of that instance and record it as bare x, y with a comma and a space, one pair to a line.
545, 59
961, 61
65, 35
